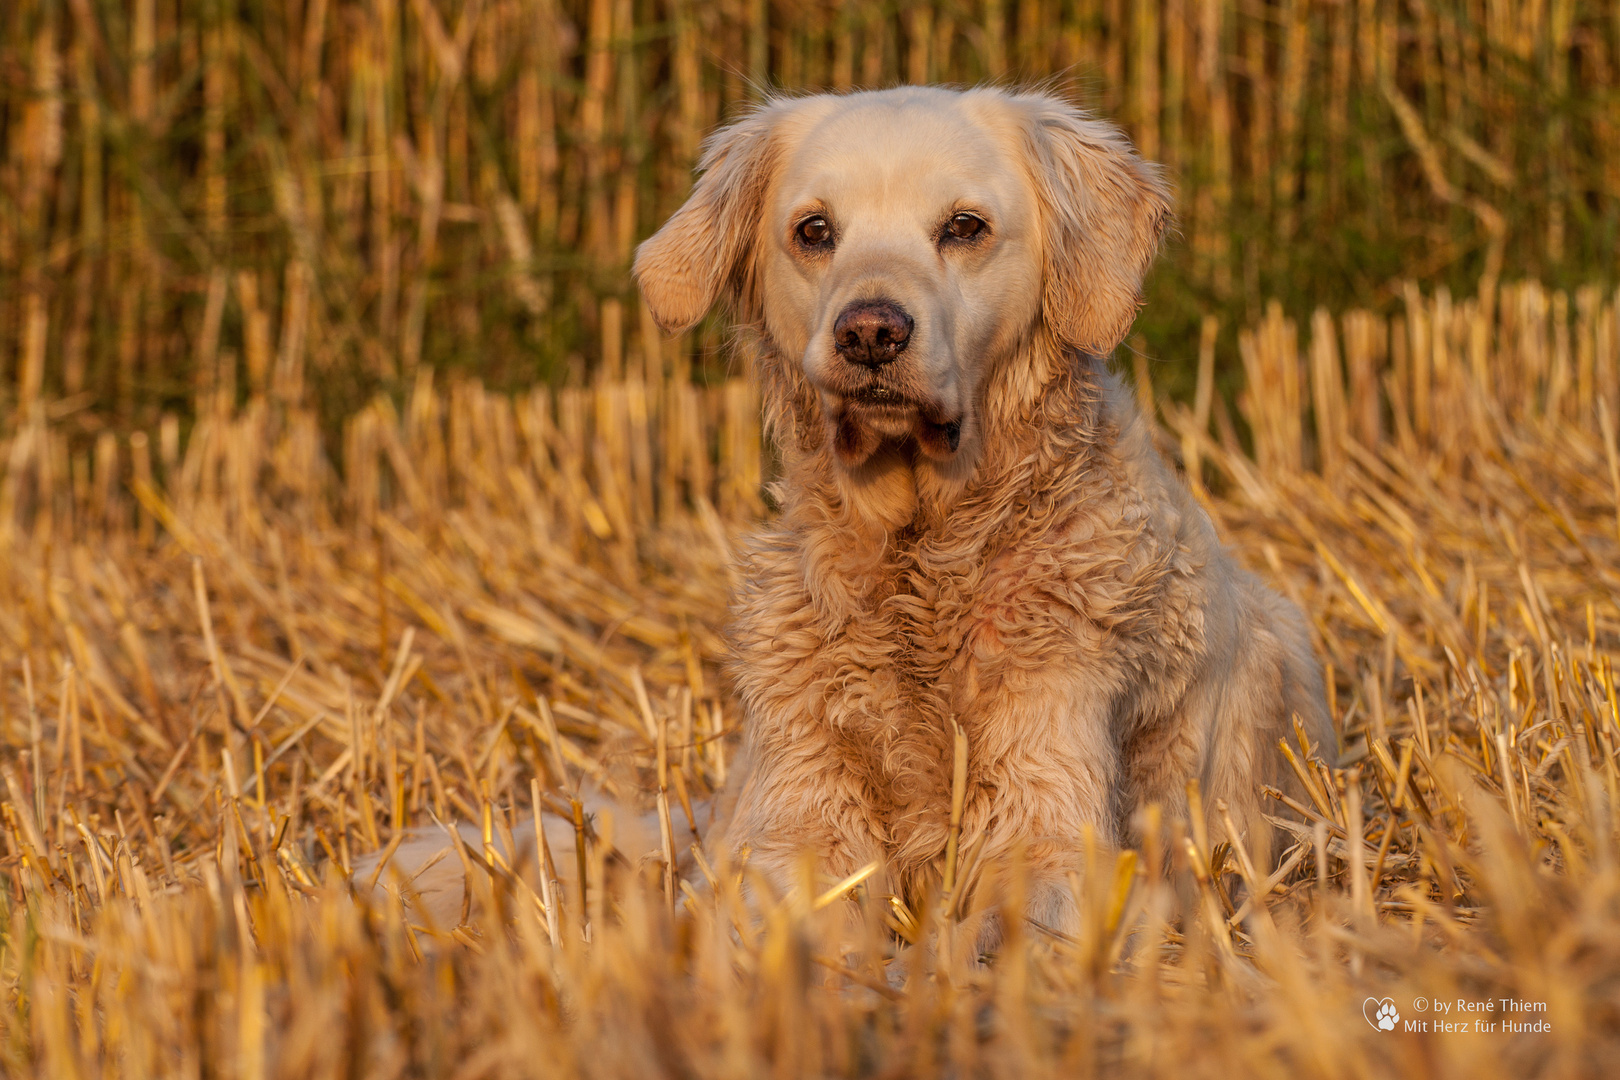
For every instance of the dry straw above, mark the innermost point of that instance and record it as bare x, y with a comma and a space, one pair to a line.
258, 619
224, 681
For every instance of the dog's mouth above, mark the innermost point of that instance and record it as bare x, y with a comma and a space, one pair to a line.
865, 418
878, 395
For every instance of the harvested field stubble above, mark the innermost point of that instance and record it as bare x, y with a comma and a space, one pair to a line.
226, 671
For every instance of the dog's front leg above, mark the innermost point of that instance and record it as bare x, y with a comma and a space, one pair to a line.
796, 814
1033, 881
1047, 774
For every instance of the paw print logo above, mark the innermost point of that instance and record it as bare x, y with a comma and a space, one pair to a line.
1381, 1013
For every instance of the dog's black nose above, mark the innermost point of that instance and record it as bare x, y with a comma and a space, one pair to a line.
872, 333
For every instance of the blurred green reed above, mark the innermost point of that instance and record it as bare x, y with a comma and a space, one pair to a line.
323, 197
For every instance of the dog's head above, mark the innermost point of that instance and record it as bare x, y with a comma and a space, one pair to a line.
900, 244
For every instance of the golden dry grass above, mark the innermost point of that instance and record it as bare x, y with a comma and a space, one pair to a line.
327, 195
219, 688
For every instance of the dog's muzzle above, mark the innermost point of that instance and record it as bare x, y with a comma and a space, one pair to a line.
872, 333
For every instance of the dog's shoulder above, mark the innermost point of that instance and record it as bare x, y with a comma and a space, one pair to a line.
1128, 514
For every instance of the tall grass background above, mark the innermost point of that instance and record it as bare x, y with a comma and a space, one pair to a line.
323, 197
344, 490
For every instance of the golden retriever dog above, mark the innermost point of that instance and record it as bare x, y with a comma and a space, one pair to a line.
976, 530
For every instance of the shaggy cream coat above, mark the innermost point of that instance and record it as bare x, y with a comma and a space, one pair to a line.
1048, 584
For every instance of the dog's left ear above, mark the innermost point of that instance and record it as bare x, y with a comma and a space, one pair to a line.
705, 249
1104, 210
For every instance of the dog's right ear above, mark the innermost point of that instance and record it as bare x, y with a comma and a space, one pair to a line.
706, 247
1104, 212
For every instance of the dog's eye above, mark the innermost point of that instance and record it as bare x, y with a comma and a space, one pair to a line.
965, 226
814, 231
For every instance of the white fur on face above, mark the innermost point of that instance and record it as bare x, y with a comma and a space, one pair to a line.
1072, 219
888, 172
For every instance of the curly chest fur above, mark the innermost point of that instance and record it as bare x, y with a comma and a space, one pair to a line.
869, 656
